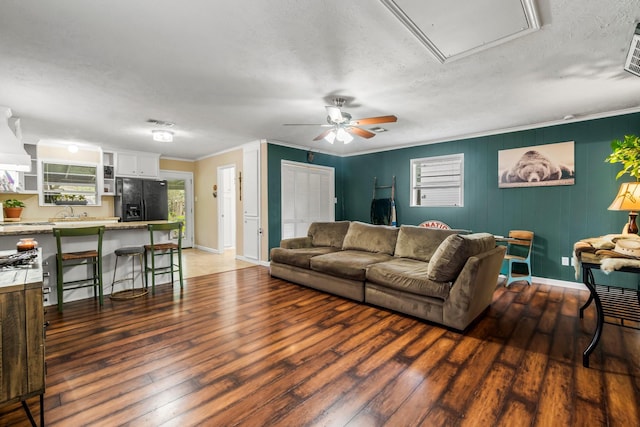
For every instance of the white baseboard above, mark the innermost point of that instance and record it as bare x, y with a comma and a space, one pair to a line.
206, 249
253, 261
560, 283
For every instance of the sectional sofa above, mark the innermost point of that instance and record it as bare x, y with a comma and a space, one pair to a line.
443, 276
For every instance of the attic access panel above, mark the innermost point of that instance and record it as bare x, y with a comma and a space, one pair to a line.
457, 28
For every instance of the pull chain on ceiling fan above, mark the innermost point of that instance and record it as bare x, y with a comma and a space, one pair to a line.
342, 126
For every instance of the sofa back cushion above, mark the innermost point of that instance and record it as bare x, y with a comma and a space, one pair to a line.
452, 254
420, 243
370, 238
329, 234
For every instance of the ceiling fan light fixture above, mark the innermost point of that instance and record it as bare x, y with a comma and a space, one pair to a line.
330, 137
344, 136
162, 135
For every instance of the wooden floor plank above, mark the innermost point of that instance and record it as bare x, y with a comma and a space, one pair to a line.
241, 348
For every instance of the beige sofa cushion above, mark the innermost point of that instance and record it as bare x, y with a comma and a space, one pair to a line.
298, 257
420, 243
370, 238
328, 233
407, 275
452, 254
347, 264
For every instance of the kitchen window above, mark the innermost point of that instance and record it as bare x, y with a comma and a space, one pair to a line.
69, 184
438, 181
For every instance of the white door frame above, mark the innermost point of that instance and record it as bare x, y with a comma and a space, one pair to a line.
221, 206
188, 241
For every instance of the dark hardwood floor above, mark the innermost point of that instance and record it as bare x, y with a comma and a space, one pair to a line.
241, 348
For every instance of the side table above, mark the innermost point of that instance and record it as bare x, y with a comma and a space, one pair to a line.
611, 301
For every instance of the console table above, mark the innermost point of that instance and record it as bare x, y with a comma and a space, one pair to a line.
611, 301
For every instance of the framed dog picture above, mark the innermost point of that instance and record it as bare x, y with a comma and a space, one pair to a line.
538, 165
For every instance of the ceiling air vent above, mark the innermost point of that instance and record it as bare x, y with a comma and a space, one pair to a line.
632, 64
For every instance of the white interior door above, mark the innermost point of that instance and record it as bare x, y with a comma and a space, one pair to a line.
308, 195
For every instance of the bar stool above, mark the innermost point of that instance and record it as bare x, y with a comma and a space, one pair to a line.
132, 252
154, 250
90, 258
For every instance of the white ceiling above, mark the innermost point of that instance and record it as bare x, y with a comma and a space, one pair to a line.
231, 72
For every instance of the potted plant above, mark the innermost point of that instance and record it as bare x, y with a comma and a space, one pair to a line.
627, 152
70, 199
12, 209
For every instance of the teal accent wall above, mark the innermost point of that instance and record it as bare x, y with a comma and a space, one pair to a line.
277, 153
559, 215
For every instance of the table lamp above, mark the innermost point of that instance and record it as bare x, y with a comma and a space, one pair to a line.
628, 199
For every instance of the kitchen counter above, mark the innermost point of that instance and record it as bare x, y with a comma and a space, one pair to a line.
117, 235
46, 227
17, 278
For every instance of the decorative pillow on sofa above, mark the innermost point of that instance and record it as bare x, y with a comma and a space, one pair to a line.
370, 238
452, 254
420, 243
330, 234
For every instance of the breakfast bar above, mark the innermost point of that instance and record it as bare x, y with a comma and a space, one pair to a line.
117, 235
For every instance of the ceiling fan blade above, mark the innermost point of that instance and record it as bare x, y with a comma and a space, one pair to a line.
335, 114
374, 120
305, 124
361, 132
322, 135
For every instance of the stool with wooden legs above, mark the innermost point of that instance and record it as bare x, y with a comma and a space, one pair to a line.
162, 249
89, 237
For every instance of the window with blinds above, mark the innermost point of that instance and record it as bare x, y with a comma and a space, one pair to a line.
438, 181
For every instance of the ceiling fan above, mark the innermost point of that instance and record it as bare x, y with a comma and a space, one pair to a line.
342, 126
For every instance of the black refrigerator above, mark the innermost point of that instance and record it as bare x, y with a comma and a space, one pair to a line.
141, 199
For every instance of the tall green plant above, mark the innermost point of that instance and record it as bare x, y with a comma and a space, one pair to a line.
626, 152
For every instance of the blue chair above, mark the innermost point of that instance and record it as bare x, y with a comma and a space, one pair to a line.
518, 255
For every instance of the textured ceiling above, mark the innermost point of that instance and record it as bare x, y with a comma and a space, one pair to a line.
227, 73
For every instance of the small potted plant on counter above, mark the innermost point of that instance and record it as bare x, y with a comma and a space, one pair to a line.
12, 209
70, 199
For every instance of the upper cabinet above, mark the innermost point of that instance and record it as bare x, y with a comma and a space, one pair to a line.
136, 164
30, 179
108, 173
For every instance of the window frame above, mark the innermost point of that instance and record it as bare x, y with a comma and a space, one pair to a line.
416, 188
93, 198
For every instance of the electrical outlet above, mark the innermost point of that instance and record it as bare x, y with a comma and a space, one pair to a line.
565, 260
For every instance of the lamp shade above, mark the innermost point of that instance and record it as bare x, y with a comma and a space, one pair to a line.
628, 197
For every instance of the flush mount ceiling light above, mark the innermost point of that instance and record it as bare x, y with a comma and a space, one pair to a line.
162, 135
451, 33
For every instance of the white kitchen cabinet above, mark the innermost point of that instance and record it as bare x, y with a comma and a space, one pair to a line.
108, 176
136, 164
29, 180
